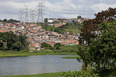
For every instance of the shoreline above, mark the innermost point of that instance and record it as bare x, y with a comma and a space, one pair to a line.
56, 74
24, 54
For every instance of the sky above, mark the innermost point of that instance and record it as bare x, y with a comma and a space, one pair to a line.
56, 8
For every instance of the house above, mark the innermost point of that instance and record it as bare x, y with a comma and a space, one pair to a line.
35, 46
50, 21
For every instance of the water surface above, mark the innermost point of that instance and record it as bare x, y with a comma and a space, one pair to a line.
37, 64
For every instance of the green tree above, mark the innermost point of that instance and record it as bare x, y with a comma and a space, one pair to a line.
17, 46
92, 25
5, 20
45, 45
85, 57
103, 49
90, 31
51, 28
79, 17
10, 41
46, 20
57, 46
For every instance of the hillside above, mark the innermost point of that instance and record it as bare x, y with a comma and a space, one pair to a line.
69, 27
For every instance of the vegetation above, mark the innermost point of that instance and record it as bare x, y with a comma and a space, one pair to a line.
48, 27
97, 48
69, 48
10, 41
72, 57
69, 27
79, 17
9, 21
27, 53
103, 49
58, 48
46, 46
97, 42
41, 75
16, 54
87, 73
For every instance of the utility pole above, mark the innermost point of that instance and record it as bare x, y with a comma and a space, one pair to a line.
40, 11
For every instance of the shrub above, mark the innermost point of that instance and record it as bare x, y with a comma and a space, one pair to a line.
87, 73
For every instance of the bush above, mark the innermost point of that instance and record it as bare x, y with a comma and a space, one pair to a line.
87, 73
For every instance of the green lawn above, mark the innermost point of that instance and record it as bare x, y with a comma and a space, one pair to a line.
40, 75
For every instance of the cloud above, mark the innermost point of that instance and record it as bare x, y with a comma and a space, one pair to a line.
102, 6
56, 8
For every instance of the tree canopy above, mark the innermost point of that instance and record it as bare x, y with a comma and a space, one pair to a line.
11, 41
103, 49
93, 24
98, 40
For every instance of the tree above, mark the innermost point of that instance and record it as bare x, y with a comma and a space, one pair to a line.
46, 20
45, 45
17, 46
79, 17
11, 41
51, 28
57, 45
91, 26
90, 31
5, 20
83, 53
103, 49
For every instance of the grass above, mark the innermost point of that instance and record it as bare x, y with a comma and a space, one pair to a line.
20, 53
103, 73
111, 73
40, 75
73, 29
72, 57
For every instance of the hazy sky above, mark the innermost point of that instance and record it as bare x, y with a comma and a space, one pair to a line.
56, 8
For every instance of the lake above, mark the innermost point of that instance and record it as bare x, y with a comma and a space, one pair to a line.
37, 64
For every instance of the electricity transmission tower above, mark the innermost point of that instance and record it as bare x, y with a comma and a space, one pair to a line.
32, 15
40, 12
26, 14
21, 15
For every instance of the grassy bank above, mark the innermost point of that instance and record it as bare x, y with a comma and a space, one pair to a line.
21, 53
88, 73
72, 57
40, 75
